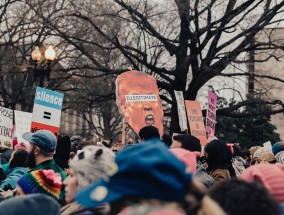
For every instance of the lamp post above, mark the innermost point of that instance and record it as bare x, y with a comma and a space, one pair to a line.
39, 68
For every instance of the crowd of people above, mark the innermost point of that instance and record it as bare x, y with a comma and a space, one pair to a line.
151, 176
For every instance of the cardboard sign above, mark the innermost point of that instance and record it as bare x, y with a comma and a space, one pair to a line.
138, 100
181, 111
211, 112
47, 110
23, 122
6, 127
195, 118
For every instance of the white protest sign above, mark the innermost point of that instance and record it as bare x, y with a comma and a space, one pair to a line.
267, 145
23, 122
181, 110
47, 110
6, 127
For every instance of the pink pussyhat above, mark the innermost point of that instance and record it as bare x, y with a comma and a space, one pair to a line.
187, 157
23, 146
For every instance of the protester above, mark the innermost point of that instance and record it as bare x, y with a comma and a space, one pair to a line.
34, 204
219, 161
260, 154
269, 176
42, 148
40, 181
242, 198
62, 152
17, 168
146, 177
148, 132
85, 168
192, 144
75, 141
238, 162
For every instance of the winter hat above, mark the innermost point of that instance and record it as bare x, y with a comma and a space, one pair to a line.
91, 163
189, 158
35, 204
23, 146
41, 181
277, 147
267, 158
145, 171
280, 157
269, 175
260, 152
149, 132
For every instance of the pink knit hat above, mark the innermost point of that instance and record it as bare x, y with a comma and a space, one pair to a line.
187, 157
269, 175
23, 146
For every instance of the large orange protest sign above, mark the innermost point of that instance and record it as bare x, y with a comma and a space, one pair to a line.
195, 119
138, 100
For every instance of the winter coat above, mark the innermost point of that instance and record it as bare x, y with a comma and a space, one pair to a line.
12, 176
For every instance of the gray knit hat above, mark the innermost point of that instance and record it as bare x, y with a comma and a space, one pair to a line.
91, 163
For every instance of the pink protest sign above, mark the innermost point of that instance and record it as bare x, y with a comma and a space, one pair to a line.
211, 112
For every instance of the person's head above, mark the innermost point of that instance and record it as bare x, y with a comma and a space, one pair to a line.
42, 148
143, 171
218, 155
87, 167
40, 181
138, 100
130, 141
186, 141
63, 147
167, 139
259, 153
75, 140
239, 197
268, 175
18, 159
35, 204
149, 132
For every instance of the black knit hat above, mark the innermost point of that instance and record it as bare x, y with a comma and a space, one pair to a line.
149, 132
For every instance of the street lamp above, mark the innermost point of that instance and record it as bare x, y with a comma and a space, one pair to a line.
39, 70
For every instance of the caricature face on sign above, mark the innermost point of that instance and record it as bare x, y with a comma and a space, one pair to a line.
138, 100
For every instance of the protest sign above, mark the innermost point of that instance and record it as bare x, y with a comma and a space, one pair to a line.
138, 100
47, 110
23, 122
6, 127
211, 112
195, 119
181, 110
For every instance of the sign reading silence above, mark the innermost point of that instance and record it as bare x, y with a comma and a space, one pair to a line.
47, 110
195, 118
6, 127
